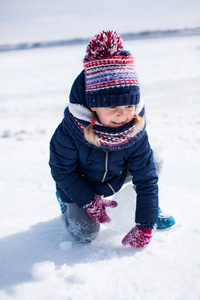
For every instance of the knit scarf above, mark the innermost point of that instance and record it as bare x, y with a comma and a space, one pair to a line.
78, 117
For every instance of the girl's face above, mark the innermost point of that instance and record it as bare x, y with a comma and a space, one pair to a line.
115, 116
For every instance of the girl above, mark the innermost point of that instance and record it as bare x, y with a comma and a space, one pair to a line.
101, 139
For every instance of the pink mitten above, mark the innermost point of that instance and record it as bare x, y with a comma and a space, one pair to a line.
97, 209
138, 237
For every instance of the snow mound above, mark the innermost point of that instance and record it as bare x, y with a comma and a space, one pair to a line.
43, 270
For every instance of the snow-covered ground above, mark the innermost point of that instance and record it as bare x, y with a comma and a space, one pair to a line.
38, 259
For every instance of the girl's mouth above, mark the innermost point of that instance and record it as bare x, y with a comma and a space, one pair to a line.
118, 123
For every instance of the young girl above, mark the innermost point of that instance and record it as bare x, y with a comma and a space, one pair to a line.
101, 140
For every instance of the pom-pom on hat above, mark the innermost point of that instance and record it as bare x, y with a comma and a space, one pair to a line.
110, 76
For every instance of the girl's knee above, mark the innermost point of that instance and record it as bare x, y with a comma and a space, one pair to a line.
83, 232
80, 225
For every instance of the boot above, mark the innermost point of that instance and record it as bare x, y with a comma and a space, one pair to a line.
164, 221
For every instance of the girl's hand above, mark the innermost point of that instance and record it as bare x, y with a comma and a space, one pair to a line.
97, 209
138, 237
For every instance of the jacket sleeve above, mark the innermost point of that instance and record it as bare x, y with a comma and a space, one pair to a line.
145, 179
63, 164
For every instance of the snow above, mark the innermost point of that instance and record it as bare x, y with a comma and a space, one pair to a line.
38, 258
43, 270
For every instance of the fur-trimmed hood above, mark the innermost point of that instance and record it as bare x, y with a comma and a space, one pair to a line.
78, 116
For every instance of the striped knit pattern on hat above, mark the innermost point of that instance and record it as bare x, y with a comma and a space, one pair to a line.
110, 76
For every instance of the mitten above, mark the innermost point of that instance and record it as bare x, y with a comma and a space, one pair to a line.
97, 209
138, 237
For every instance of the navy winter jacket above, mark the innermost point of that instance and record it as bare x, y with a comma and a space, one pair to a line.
81, 171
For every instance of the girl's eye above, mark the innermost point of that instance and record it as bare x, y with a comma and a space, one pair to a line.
129, 106
112, 107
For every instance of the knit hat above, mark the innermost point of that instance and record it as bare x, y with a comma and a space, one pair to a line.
110, 77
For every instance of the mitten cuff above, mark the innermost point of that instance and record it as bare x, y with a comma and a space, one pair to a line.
146, 225
96, 198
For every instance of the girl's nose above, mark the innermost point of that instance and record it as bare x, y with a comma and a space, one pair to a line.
120, 111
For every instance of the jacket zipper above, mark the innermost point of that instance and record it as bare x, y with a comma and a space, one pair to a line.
106, 167
110, 186
105, 173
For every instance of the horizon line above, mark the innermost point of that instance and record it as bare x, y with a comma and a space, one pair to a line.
125, 36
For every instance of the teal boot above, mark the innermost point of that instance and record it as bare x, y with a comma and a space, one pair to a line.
164, 221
